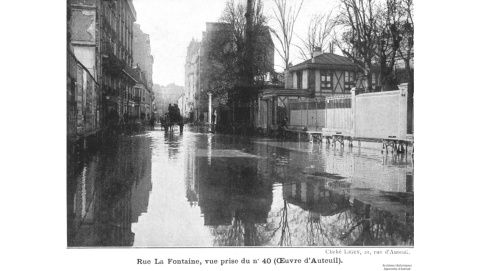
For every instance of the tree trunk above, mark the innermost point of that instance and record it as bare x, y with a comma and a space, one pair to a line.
410, 77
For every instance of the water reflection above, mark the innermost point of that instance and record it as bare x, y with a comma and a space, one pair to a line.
199, 189
233, 199
109, 194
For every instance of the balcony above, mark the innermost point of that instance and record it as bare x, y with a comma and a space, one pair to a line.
110, 62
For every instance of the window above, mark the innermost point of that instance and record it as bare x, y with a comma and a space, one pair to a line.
374, 80
326, 79
299, 80
305, 79
349, 80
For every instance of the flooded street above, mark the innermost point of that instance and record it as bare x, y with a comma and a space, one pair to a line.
156, 189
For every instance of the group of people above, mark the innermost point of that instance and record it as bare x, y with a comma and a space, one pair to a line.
202, 118
114, 118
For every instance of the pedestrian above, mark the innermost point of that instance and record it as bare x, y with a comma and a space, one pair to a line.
282, 127
177, 113
125, 118
213, 120
152, 121
202, 117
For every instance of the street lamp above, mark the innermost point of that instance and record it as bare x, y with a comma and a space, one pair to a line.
209, 107
316, 113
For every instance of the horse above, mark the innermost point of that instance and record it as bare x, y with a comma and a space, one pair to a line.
171, 120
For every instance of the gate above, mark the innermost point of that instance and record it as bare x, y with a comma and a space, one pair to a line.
339, 113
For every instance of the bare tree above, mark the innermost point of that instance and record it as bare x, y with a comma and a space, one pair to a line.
359, 40
406, 52
389, 38
318, 34
407, 33
286, 15
228, 52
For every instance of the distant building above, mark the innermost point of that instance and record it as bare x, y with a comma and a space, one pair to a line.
199, 76
182, 106
143, 61
142, 54
158, 100
192, 76
143, 97
165, 95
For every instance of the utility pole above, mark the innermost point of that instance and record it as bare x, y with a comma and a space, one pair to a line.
247, 85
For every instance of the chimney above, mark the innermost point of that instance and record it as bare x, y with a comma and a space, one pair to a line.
317, 52
288, 79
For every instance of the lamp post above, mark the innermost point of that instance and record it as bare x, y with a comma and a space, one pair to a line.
209, 107
316, 113
300, 102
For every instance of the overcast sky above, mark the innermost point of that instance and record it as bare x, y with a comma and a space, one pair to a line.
172, 24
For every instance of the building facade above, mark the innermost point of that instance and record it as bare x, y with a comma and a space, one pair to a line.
142, 103
192, 78
142, 56
324, 75
102, 40
143, 61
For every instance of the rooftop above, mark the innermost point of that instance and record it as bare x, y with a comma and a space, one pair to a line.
328, 60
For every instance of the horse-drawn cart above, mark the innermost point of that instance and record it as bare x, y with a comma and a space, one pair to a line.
171, 119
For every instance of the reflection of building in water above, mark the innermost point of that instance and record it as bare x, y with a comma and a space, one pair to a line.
109, 194
332, 218
142, 181
190, 178
233, 199
314, 196
375, 171
387, 174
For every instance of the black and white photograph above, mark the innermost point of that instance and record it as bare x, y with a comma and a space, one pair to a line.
241, 134
254, 123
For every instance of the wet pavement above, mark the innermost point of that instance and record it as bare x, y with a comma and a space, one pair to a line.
157, 189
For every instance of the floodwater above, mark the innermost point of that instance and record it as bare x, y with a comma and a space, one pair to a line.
156, 189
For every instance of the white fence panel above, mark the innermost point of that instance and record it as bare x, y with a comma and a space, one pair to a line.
381, 114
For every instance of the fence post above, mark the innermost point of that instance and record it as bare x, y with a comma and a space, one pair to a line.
307, 113
353, 111
300, 102
316, 113
403, 113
